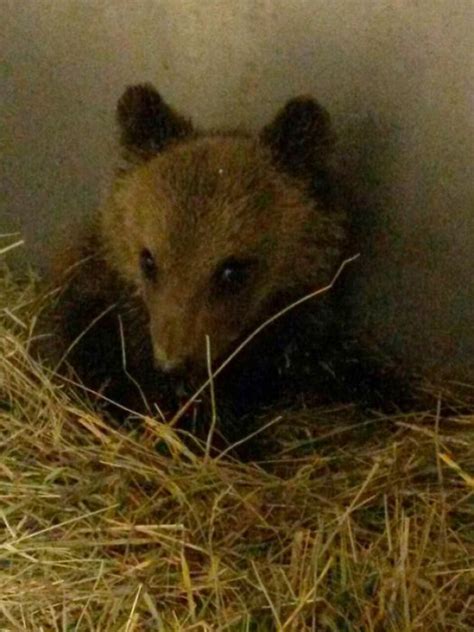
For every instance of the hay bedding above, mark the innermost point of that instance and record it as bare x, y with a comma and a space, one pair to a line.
367, 527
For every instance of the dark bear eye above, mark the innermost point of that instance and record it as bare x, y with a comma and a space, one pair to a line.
233, 274
148, 265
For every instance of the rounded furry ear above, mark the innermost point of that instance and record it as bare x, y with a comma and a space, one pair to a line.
301, 139
147, 124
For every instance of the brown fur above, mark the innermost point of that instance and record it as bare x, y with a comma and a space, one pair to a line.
195, 201
193, 207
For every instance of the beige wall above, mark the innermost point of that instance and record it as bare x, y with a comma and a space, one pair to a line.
396, 74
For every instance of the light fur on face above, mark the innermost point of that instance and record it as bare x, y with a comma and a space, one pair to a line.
198, 204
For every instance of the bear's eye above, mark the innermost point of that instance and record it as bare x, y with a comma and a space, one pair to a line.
233, 274
148, 265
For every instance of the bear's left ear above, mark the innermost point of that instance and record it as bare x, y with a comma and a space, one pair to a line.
147, 124
301, 139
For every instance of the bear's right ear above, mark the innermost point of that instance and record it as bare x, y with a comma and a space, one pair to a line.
301, 140
147, 124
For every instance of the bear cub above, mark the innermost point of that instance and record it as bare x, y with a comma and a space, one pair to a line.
202, 237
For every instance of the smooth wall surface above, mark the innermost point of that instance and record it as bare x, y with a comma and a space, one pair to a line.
397, 75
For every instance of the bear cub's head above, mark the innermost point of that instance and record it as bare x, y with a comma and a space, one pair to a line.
217, 230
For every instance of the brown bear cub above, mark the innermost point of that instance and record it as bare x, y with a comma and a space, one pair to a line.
203, 237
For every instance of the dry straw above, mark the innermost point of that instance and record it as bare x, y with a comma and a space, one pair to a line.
365, 526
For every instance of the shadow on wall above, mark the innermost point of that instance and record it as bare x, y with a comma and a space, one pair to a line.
412, 294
